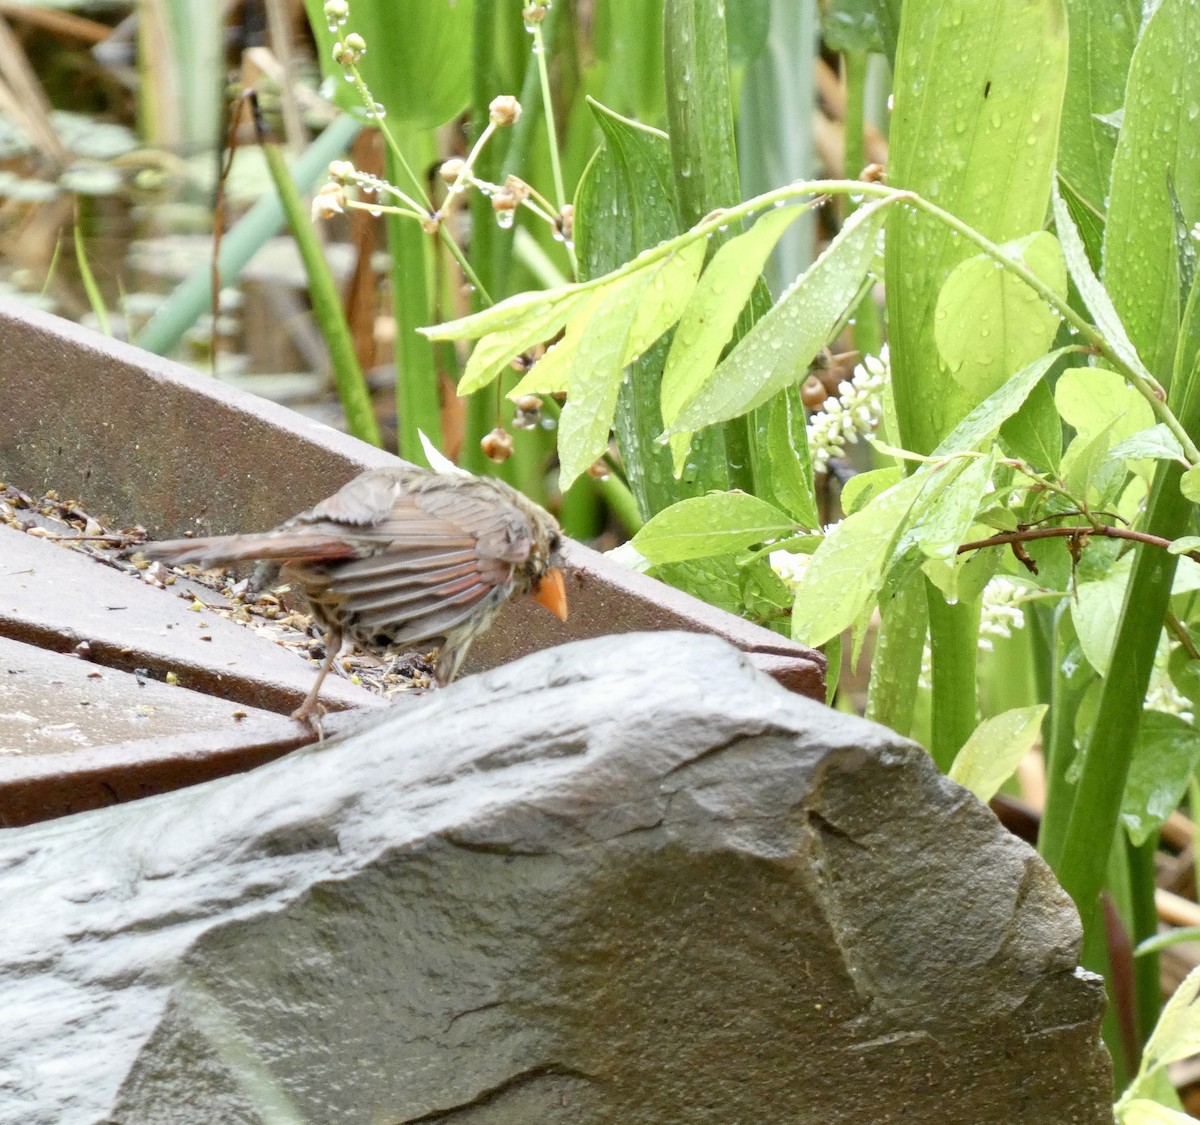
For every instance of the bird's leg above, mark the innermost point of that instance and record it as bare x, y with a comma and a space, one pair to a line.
309, 710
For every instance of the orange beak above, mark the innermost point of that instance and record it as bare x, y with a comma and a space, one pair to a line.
551, 592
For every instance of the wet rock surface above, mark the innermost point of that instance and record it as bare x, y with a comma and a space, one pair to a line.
627, 880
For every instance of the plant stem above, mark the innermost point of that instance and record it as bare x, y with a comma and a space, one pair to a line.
954, 648
327, 306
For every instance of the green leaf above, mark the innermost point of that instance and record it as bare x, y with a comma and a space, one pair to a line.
1189, 485
511, 314
1143, 1111
1178, 1032
716, 524
671, 285
1160, 134
1103, 34
1087, 469
846, 571
1167, 753
712, 313
496, 351
1158, 443
778, 349
1184, 544
791, 467
989, 323
995, 749
1096, 610
716, 580
862, 488
1034, 432
1095, 400
851, 25
1094, 295
948, 508
982, 422
596, 375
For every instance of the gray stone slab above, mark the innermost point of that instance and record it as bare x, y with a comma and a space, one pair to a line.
53, 704
626, 880
57, 599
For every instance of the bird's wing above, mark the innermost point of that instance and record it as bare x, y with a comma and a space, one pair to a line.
423, 568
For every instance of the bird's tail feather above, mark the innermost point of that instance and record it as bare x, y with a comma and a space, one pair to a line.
219, 550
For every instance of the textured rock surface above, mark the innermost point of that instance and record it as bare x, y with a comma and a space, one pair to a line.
630, 880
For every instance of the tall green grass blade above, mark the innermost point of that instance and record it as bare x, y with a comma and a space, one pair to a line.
193, 296
94, 296
1160, 136
326, 304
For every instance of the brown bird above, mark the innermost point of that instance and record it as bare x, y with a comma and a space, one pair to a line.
399, 557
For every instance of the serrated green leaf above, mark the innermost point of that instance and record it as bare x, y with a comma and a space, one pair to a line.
552, 373
1166, 755
846, 571
509, 314
1094, 295
778, 349
596, 375
717, 524
716, 303
981, 424
1157, 443
670, 287
989, 323
995, 748
495, 351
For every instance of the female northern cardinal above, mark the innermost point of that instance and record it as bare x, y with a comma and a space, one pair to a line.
403, 556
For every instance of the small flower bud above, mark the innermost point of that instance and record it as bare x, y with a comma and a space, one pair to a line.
517, 188
336, 13
503, 201
534, 13
451, 169
330, 200
528, 413
504, 110
498, 445
813, 393
599, 470
341, 170
564, 224
348, 51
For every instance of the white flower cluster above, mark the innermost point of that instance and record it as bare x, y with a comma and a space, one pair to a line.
1001, 612
857, 409
790, 567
